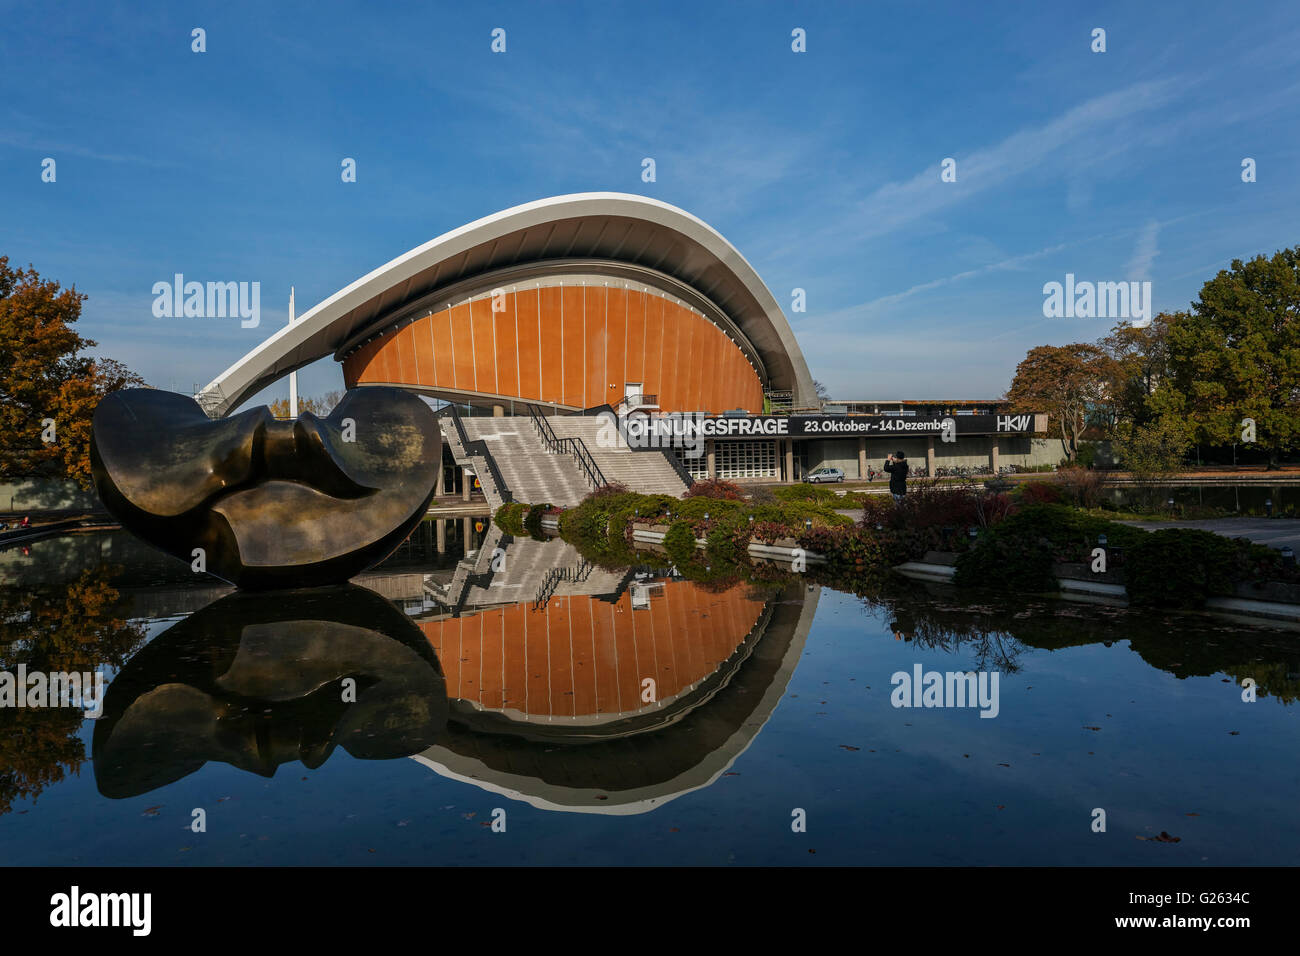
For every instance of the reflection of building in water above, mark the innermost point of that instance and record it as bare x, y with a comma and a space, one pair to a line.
590, 660
608, 702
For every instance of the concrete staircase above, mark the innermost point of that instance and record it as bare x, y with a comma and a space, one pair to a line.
647, 472
532, 473
531, 571
475, 462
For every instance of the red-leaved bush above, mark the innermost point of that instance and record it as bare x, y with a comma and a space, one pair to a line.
715, 488
1040, 493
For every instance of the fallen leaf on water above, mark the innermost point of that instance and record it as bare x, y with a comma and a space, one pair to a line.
1092, 728
847, 747
1234, 733
151, 811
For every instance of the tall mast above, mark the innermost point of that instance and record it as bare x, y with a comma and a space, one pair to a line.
293, 376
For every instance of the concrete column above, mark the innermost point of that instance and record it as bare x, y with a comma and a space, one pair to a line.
441, 534
466, 482
466, 533
711, 457
930, 460
862, 457
498, 411
993, 456
789, 459
439, 484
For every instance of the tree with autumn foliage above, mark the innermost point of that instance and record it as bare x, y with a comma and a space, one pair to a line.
320, 406
44, 378
80, 627
1069, 382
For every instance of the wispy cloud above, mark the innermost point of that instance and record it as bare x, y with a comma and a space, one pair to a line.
1006, 265
1145, 252
897, 204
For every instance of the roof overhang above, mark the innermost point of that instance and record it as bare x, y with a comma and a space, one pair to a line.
618, 228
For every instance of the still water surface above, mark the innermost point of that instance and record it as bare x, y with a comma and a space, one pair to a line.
623, 716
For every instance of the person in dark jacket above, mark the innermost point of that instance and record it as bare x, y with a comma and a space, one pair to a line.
896, 465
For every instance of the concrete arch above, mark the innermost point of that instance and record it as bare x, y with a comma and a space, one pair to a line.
616, 228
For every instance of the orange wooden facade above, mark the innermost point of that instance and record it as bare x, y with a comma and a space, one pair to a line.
574, 345
584, 657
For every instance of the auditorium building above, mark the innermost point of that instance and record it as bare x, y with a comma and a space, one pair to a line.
530, 322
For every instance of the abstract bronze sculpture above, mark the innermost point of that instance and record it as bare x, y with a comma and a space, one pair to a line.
262, 503
258, 680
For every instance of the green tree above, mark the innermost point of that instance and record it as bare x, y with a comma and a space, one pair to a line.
1237, 356
44, 378
1140, 362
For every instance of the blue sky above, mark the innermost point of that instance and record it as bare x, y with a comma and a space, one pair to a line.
822, 167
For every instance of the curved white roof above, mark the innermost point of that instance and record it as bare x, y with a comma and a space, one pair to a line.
615, 227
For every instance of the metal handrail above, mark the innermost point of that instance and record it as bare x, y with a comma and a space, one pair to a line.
479, 449
641, 400
573, 446
553, 578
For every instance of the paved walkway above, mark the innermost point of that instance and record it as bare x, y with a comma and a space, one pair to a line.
1274, 532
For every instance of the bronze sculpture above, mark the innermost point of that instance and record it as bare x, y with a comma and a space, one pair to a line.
258, 680
263, 503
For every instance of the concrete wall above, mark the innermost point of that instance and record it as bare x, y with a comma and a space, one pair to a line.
969, 451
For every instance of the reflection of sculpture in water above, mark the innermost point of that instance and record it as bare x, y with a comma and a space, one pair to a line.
263, 503
257, 680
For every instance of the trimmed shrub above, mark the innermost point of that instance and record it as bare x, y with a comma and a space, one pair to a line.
807, 491
1180, 567
843, 546
510, 518
679, 542
608, 490
1018, 553
715, 488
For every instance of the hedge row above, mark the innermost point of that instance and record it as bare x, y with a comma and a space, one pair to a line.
1173, 567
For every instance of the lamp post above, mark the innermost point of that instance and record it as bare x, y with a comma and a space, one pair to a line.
1268, 507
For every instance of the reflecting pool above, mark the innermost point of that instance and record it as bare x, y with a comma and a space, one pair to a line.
482, 699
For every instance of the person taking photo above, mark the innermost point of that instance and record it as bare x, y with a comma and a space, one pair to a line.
896, 465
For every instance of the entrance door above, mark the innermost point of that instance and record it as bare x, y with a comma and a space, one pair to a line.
630, 390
